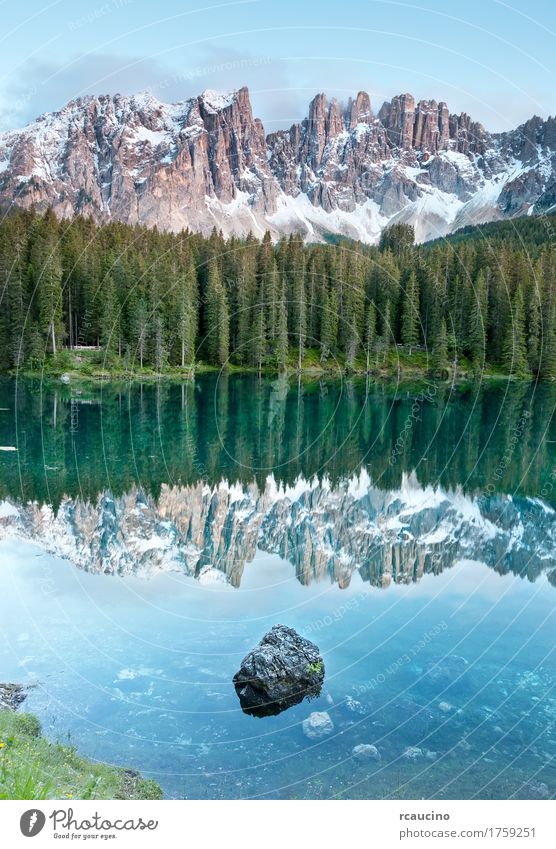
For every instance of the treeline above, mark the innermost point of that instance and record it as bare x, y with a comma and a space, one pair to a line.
173, 300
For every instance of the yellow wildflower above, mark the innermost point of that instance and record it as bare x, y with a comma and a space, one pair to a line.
2, 744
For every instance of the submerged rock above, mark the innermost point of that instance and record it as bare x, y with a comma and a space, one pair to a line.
353, 706
12, 695
537, 790
444, 671
413, 753
281, 671
366, 752
318, 724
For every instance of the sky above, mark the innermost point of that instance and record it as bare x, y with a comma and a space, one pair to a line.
495, 60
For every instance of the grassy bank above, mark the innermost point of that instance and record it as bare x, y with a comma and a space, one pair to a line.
33, 768
94, 365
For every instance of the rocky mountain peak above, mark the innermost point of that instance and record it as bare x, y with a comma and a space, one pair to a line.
207, 161
359, 110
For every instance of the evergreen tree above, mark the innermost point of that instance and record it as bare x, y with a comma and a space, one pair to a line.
110, 317
217, 319
47, 280
410, 314
186, 313
370, 333
139, 328
160, 349
439, 359
478, 323
398, 238
282, 330
514, 351
329, 324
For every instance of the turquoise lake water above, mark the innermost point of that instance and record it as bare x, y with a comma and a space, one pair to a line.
149, 536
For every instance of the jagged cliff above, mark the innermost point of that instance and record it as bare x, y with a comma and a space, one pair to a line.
212, 532
207, 162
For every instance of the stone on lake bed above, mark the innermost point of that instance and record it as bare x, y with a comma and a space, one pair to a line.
281, 671
12, 695
317, 725
366, 752
354, 706
413, 753
446, 670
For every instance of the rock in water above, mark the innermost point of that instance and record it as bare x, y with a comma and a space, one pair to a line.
281, 671
12, 695
318, 724
413, 753
366, 752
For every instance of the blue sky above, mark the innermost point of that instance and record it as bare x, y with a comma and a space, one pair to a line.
493, 59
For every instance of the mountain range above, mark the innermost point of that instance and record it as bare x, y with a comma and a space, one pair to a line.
345, 170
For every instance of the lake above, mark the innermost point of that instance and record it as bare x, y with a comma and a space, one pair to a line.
151, 534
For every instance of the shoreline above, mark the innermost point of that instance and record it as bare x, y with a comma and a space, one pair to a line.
33, 767
311, 371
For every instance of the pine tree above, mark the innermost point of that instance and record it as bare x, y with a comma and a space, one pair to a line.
547, 284
302, 325
268, 288
186, 313
282, 330
478, 323
329, 324
398, 238
245, 299
514, 351
217, 318
258, 341
370, 333
534, 329
110, 317
47, 279
439, 359
410, 315
140, 328
18, 320
160, 349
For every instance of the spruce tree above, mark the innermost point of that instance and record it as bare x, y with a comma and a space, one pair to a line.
329, 324
478, 323
47, 280
217, 318
140, 322
110, 317
186, 313
439, 358
282, 330
410, 314
514, 350
370, 333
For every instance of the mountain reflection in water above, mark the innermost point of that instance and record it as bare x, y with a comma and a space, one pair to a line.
394, 481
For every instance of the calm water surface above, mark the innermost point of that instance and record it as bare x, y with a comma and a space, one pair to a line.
149, 536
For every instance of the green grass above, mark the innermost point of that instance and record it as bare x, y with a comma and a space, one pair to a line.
33, 768
94, 365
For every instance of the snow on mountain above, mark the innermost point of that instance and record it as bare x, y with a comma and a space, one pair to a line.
207, 162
